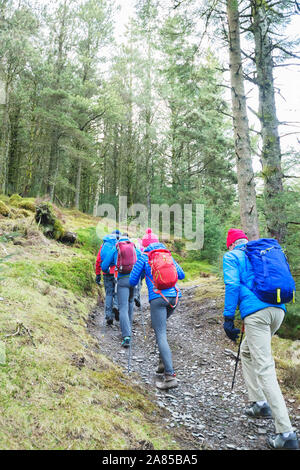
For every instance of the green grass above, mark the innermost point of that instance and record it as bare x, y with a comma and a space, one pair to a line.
193, 268
76, 275
87, 240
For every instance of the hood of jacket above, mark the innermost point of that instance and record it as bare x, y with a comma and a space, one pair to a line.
155, 246
111, 238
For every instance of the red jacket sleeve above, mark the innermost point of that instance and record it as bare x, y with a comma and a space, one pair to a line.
98, 262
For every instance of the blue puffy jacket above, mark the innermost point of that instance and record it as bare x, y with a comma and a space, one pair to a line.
112, 256
238, 279
142, 267
109, 243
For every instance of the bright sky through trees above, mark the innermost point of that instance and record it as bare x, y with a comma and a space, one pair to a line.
287, 81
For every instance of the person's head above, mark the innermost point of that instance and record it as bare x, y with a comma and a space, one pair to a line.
116, 233
235, 237
149, 238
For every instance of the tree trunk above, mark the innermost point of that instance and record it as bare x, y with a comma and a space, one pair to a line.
53, 162
271, 151
5, 142
59, 65
245, 174
97, 195
78, 183
148, 112
13, 159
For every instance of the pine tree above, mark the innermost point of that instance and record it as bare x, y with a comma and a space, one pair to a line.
245, 174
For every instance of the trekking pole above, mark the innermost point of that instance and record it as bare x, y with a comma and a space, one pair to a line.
143, 323
103, 327
129, 353
237, 358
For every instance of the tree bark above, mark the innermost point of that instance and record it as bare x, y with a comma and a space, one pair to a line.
245, 174
271, 151
5, 142
78, 183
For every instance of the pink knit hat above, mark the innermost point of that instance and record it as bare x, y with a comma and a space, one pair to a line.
149, 238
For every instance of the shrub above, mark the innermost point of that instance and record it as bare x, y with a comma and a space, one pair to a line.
290, 327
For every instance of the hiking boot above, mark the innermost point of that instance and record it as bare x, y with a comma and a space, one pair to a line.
161, 368
126, 342
169, 381
259, 411
116, 312
109, 321
283, 441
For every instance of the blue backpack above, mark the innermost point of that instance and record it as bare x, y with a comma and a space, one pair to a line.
273, 282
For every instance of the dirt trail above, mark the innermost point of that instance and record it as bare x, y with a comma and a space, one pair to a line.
202, 406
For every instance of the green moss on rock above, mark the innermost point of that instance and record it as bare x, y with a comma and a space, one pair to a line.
22, 203
47, 220
4, 210
15, 198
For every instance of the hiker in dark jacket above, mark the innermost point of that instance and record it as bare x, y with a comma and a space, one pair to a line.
160, 308
261, 321
125, 293
111, 300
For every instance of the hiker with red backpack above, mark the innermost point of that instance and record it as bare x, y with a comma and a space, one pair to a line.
258, 281
111, 301
161, 273
123, 257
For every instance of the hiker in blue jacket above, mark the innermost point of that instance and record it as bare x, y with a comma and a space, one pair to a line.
160, 309
125, 293
111, 301
261, 321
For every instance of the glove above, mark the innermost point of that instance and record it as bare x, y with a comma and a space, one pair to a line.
98, 279
230, 330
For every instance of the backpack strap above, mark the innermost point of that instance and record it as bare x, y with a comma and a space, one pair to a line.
162, 295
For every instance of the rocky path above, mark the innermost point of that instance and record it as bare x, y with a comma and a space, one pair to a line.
203, 404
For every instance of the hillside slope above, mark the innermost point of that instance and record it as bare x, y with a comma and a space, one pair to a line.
58, 391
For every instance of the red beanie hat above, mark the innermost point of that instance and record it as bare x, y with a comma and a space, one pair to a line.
233, 235
149, 238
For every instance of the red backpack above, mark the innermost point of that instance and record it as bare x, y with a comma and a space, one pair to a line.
126, 256
163, 271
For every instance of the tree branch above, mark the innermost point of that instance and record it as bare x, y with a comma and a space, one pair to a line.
291, 54
90, 120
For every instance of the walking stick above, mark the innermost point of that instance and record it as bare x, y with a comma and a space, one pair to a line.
237, 358
129, 353
143, 322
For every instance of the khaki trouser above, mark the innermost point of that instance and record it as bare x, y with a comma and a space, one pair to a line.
258, 364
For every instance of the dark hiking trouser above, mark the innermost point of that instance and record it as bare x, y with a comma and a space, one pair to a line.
160, 312
110, 296
126, 304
